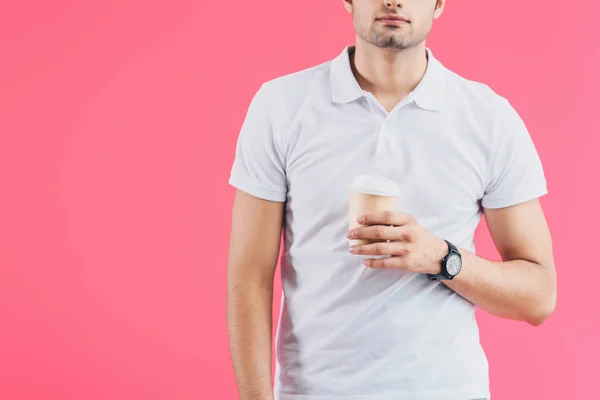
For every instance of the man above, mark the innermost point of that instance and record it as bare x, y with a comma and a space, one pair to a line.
401, 325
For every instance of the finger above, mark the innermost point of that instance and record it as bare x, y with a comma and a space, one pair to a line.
383, 263
386, 218
383, 233
377, 232
379, 249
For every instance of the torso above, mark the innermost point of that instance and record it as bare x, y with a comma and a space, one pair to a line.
345, 330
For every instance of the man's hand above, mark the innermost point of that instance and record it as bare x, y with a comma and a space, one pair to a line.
521, 287
411, 247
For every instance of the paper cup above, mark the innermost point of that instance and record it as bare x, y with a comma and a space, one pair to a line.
370, 193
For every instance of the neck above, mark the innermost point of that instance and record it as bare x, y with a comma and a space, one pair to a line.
388, 72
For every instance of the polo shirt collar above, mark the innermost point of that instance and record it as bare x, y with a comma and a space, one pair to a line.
344, 86
427, 94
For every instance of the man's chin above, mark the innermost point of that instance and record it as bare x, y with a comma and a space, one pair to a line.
392, 44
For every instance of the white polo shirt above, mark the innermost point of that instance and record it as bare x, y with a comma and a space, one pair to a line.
347, 332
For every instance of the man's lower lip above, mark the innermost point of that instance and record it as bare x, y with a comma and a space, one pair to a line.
392, 21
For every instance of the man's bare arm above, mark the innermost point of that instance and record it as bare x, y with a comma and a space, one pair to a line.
523, 285
253, 253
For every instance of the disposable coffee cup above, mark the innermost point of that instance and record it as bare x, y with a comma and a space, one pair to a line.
370, 193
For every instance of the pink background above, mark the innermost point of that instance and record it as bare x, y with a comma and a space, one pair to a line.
118, 121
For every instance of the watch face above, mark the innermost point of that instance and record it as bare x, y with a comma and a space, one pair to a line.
454, 264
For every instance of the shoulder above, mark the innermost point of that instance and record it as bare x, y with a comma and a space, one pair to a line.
480, 112
485, 114
299, 81
477, 98
291, 90
278, 101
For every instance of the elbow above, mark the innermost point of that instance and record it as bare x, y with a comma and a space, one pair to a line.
542, 310
544, 304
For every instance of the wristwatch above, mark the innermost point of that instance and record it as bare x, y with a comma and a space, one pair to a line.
451, 265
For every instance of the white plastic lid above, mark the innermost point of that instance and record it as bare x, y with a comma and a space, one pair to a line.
377, 185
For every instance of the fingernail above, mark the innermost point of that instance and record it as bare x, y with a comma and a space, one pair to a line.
352, 249
350, 234
361, 219
366, 262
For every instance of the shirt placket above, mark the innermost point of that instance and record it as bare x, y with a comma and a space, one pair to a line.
386, 150
386, 146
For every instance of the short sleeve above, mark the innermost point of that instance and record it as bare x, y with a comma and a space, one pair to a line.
259, 164
515, 173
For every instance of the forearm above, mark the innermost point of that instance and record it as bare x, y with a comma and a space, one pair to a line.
518, 289
249, 318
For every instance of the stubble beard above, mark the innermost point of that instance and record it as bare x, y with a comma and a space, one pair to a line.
388, 38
